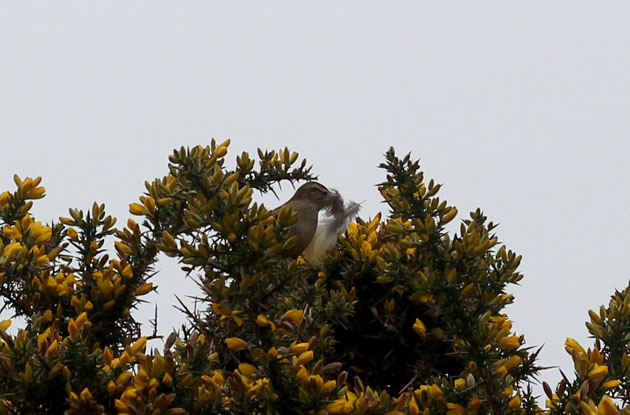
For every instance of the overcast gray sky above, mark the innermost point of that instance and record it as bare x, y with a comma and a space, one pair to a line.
518, 108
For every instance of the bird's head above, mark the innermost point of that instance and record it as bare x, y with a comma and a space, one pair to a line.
317, 194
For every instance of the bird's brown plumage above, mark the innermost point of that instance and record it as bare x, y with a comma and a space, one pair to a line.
307, 201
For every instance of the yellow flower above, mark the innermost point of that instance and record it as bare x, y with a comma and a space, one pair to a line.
144, 288
435, 392
501, 371
221, 151
28, 373
474, 403
299, 348
301, 374
257, 387
127, 272
588, 408
5, 324
120, 405
37, 193
4, 199
336, 407
342, 405
111, 388
606, 407
73, 234
292, 315
105, 286
510, 342
420, 328
123, 378
305, 358
138, 209
11, 250
124, 358
598, 372
448, 216
571, 344
108, 355
138, 346
262, 321
512, 362
611, 384
455, 409
149, 203
460, 383
247, 369
40, 233
515, 402
366, 249
123, 247
329, 386
82, 319
235, 343
41, 260
216, 307
217, 377
413, 407
165, 201
167, 379
85, 394
52, 349
72, 328
353, 229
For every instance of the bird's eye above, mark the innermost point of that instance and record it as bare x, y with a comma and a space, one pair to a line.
317, 193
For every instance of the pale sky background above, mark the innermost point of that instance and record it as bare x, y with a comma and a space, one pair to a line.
518, 108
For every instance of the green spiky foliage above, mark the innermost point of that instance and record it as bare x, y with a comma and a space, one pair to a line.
401, 317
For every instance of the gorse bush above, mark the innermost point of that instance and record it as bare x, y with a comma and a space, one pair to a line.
400, 317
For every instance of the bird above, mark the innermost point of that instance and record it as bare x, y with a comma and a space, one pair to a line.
314, 239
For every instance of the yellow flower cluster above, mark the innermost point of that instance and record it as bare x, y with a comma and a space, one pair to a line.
499, 328
401, 306
590, 366
27, 247
363, 240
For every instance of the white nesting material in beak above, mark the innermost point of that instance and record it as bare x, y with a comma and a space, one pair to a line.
328, 229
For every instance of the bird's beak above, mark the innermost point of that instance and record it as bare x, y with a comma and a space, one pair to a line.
334, 202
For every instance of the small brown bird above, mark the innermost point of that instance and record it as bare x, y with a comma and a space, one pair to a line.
308, 200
